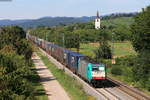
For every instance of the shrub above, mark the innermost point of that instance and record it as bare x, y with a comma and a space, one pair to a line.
15, 63
126, 61
103, 51
116, 71
141, 69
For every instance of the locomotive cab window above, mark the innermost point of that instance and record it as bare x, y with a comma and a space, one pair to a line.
95, 69
98, 68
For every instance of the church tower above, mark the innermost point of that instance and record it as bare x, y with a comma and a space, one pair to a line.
97, 21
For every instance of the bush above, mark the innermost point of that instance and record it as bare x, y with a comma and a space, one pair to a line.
103, 51
15, 63
141, 70
116, 71
13, 76
126, 61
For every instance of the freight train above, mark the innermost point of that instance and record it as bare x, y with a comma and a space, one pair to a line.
85, 67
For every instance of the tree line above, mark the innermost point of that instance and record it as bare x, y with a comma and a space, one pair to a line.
85, 31
141, 43
116, 15
15, 65
137, 68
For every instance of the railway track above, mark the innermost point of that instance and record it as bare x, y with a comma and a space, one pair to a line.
138, 95
105, 93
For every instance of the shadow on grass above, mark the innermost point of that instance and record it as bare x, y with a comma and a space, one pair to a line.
40, 92
45, 79
35, 80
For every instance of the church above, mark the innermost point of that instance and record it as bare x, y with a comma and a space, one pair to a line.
97, 21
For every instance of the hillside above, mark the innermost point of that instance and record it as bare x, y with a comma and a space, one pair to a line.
118, 21
107, 20
54, 21
12, 22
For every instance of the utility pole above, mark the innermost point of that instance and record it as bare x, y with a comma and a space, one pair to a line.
63, 40
78, 41
113, 47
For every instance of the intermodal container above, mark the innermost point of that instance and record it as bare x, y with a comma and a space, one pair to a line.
48, 48
74, 61
66, 56
54, 50
39, 42
83, 68
59, 54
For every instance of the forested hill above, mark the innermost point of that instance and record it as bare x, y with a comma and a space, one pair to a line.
11, 22
54, 21
46, 21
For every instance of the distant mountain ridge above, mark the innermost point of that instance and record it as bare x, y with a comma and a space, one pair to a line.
45, 21
11, 22
54, 21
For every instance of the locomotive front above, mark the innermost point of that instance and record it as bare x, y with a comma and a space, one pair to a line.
98, 72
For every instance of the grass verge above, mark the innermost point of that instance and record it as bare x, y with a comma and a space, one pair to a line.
71, 86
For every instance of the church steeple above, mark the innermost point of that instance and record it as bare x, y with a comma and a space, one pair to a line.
97, 21
98, 15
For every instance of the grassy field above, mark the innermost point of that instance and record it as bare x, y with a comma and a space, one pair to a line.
73, 88
123, 49
120, 49
87, 49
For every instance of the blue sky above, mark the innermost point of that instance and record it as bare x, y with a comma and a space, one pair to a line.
32, 9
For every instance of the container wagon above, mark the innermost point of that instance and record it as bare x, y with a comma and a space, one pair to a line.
60, 54
66, 57
73, 61
54, 50
48, 48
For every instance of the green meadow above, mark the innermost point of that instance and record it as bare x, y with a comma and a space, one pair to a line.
121, 49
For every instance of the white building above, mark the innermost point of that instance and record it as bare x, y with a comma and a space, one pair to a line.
97, 21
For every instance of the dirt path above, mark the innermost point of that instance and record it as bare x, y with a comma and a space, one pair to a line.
53, 89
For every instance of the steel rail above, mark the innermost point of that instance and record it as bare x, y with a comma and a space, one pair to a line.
130, 90
108, 92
